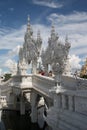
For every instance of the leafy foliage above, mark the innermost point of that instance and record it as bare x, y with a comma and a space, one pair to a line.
7, 76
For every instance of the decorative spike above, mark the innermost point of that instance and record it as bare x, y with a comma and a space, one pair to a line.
38, 35
53, 33
67, 42
28, 19
29, 29
66, 39
28, 24
52, 22
52, 28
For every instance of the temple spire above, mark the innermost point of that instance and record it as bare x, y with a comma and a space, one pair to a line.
67, 42
53, 35
28, 24
66, 39
38, 35
52, 28
28, 19
29, 29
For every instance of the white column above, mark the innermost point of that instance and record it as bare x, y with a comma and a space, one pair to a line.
33, 108
22, 106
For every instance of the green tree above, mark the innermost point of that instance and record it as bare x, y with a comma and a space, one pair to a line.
7, 76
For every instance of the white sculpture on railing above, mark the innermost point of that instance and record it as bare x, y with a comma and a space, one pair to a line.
56, 55
22, 64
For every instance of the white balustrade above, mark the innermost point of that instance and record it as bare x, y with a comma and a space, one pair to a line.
42, 83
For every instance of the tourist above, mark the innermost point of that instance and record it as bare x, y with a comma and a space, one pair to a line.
50, 73
41, 72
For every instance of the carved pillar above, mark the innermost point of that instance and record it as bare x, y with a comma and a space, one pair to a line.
70, 103
22, 106
33, 108
63, 102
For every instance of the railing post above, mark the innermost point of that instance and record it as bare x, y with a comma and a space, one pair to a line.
70, 103
63, 102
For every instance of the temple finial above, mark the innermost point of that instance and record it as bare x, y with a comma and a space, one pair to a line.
66, 39
38, 34
28, 19
67, 42
52, 27
52, 24
29, 29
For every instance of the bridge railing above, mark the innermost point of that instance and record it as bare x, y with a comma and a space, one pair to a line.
42, 83
22, 81
74, 83
75, 101
18, 81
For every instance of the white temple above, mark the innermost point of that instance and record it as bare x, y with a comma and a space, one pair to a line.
64, 97
55, 55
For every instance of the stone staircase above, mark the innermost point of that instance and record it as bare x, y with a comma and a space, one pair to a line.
66, 120
72, 121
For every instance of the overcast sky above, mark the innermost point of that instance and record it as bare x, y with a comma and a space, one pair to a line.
69, 16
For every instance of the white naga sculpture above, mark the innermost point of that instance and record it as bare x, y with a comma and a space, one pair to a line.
56, 55
30, 51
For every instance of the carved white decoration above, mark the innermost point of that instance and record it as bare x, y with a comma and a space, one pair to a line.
29, 47
30, 51
22, 67
55, 54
